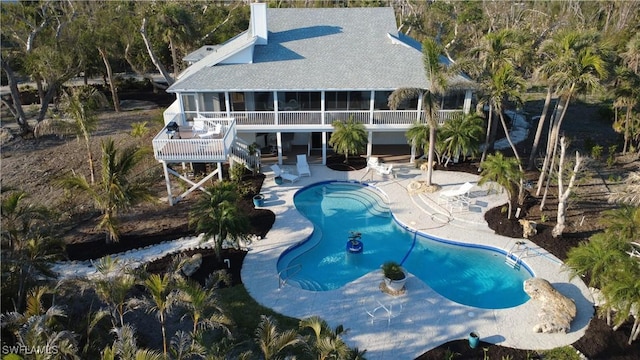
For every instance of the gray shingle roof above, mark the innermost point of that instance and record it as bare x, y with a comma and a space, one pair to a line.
312, 49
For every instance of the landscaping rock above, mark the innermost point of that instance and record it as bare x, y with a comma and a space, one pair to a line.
556, 312
192, 265
528, 228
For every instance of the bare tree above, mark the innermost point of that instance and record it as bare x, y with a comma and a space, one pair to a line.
563, 194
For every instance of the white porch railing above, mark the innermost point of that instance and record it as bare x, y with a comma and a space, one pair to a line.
293, 118
196, 149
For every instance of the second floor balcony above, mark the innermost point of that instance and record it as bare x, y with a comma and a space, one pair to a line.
314, 120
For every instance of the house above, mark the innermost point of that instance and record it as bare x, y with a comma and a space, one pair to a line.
283, 81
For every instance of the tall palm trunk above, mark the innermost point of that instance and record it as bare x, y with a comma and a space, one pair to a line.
554, 141
541, 122
488, 135
627, 120
515, 153
432, 150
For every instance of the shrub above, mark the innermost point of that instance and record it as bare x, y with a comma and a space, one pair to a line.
596, 151
392, 270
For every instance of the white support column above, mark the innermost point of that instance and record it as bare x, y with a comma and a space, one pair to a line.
279, 145
369, 144
183, 116
275, 107
167, 181
420, 100
372, 106
220, 171
227, 103
466, 107
324, 148
322, 108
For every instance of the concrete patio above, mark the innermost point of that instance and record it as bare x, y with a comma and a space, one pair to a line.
427, 319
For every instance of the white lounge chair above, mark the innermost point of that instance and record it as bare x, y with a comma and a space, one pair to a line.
211, 132
277, 171
459, 196
303, 166
374, 164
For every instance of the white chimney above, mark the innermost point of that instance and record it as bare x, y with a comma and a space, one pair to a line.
258, 22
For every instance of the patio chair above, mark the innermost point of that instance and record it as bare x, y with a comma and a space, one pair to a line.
380, 168
459, 196
303, 166
277, 171
211, 132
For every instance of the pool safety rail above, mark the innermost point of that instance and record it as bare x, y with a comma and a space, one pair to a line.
520, 250
282, 280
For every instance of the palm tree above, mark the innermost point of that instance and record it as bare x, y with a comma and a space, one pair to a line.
177, 26
125, 347
80, 104
437, 73
117, 190
114, 291
327, 342
622, 292
461, 136
630, 193
418, 136
504, 171
631, 56
496, 49
348, 138
627, 96
20, 219
161, 300
28, 249
36, 327
595, 258
202, 305
576, 64
504, 85
623, 221
216, 214
273, 344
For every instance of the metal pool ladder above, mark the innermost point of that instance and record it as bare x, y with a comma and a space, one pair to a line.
514, 255
282, 281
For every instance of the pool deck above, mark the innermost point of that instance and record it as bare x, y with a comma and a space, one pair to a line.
427, 319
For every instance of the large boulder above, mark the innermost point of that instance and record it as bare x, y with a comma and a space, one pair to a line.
556, 310
192, 264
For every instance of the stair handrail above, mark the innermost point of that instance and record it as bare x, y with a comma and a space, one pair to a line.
282, 281
242, 152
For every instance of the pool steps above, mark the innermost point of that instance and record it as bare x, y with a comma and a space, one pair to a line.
374, 201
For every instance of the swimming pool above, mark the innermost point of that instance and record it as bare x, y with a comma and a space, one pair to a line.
468, 274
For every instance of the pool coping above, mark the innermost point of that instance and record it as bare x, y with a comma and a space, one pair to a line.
427, 319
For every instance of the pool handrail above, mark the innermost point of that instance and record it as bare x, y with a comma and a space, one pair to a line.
283, 281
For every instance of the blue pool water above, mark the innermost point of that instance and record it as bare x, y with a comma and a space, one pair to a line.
470, 275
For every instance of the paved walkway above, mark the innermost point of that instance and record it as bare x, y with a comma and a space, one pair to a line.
427, 319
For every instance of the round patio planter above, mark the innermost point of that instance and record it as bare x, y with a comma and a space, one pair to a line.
395, 285
278, 180
474, 339
258, 200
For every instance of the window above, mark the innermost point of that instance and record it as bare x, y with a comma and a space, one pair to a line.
213, 101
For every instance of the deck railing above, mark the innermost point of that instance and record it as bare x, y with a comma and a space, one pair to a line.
366, 117
195, 149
